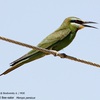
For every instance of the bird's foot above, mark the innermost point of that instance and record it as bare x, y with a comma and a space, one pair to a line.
54, 52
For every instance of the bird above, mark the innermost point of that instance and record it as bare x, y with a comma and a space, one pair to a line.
56, 41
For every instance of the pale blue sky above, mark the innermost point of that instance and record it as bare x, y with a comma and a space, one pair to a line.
50, 78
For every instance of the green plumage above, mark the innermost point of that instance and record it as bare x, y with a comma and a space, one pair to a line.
58, 40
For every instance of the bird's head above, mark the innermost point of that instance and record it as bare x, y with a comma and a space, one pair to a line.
77, 23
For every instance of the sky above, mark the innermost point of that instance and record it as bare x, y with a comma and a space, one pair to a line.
49, 78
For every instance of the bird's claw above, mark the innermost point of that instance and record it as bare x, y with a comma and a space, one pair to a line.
54, 52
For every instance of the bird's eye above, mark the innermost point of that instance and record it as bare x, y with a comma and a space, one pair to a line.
73, 21
77, 21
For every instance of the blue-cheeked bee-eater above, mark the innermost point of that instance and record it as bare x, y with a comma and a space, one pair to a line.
57, 40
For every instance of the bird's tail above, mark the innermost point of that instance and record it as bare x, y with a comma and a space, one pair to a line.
24, 59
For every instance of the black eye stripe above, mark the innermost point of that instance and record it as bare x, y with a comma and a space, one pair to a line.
77, 21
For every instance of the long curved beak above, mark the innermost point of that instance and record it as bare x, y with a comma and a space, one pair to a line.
89, 22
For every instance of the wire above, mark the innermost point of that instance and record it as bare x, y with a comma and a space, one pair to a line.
55, 53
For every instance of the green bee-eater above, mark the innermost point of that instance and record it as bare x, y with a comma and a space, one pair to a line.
58, 40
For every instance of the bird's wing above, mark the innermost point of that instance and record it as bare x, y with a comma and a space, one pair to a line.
46, 43
54, 38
